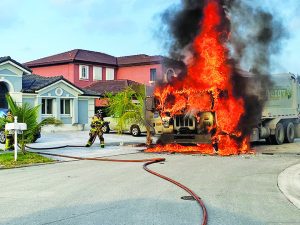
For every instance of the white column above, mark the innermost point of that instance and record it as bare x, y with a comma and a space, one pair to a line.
75, 111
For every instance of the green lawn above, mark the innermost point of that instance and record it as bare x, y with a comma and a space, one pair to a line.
7, 159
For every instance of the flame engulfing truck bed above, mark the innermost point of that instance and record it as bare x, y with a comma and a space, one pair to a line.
201, 108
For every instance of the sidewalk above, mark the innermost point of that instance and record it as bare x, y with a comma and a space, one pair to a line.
114, 145
289, 184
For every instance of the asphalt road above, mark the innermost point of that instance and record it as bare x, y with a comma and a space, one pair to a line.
238, 190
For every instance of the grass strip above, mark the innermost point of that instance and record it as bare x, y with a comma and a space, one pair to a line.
7, 159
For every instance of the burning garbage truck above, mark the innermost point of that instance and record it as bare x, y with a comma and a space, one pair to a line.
215, 107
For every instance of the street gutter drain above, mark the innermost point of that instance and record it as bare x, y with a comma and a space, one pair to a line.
267, 153
188, 198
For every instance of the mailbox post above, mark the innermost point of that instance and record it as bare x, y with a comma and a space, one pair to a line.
16, 128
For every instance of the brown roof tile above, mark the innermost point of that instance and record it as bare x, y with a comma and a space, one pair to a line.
73, 56
112, 86
139, 60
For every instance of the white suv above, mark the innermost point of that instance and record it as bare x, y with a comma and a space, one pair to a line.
134, 129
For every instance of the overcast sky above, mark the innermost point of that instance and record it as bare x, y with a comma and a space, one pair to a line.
31, 29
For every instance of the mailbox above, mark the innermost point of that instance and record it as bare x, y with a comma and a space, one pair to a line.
16, 128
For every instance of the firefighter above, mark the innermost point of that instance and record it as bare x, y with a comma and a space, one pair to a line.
96, 129
9, 142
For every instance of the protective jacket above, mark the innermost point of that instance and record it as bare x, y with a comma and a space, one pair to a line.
96, 130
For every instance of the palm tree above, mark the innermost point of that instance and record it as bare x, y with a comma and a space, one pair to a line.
128, 106
29, 115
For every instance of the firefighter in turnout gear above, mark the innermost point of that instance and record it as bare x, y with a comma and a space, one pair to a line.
9, 142
96, 130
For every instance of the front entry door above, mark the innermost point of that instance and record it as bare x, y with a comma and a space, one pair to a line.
3, 92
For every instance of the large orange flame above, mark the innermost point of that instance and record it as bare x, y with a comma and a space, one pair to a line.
208, 74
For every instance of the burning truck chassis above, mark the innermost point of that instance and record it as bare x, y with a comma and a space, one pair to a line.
204, 98
211, 106
186, 127
187, 130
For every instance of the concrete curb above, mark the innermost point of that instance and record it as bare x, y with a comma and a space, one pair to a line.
289, 184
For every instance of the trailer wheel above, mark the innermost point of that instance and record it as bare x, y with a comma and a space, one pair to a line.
278, 138
289, 133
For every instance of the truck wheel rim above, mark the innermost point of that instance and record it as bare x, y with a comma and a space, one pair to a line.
135, 131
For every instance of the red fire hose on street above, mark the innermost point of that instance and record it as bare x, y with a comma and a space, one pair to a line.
145, 166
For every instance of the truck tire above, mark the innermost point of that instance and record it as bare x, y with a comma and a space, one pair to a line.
106, 128
289, 133
278, 138
135, 130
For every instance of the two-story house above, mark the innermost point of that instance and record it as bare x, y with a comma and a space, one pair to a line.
80, 67
56, 96
83, 67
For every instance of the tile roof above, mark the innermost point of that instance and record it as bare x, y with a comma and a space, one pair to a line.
139, 59
112, 86
32, 83
78, 55
8, 58
85, 56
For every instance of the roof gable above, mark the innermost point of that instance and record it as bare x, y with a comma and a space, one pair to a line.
7, 72
8, 59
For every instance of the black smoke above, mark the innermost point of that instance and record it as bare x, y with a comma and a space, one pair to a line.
182, 25
255, 36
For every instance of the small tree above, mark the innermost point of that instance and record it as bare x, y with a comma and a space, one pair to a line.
128, 106
29, 115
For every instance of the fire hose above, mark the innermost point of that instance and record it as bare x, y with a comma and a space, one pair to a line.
145, 166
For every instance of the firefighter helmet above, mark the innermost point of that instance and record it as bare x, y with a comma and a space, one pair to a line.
100, 113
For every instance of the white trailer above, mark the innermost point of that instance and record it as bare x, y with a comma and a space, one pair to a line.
280, 121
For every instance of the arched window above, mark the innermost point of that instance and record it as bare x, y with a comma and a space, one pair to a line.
3, 92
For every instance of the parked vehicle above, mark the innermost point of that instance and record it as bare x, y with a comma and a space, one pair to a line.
3, 113
134, 129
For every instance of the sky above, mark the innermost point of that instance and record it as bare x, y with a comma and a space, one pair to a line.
32, 29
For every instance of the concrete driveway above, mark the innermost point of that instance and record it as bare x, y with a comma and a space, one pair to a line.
115, 144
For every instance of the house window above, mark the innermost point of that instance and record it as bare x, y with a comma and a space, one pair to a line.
110, 74
152, 74
83, 72
47, 106
65, 106
97, 73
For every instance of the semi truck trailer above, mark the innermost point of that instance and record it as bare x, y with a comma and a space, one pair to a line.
280, 121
